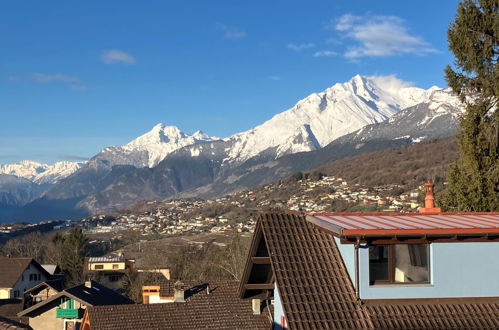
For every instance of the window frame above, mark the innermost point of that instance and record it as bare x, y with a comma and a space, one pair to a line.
391, 267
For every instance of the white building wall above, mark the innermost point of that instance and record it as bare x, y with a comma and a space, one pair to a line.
24, 283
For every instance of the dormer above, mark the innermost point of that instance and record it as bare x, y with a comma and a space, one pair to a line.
427, 255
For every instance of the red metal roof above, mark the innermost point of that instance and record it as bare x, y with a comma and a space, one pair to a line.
372, 224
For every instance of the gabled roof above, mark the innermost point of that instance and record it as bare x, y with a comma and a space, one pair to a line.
54, 284
317, 293
10, 307
11, 270
8, 324
460, 226
221, 309
51, 269
97, 295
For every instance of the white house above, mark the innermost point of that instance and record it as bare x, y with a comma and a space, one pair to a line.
18, 275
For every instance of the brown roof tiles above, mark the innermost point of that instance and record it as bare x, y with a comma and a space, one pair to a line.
317, 293
221, 309
11, 269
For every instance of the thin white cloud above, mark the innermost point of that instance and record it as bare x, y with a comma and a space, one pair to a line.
72, 82
56, 77
275, 78
300, 47
325, 53
115, 56
377, 35
231, 32
14, 78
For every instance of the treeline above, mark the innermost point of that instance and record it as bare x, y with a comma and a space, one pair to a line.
209, 261
65, 249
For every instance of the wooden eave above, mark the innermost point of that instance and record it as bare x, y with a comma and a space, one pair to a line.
253, 261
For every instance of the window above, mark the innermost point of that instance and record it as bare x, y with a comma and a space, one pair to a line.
115, 266
399, 263
99, 267
16, 294
114, 278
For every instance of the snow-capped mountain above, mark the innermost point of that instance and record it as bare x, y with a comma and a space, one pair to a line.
41, 173
149, 149
165, 162
320, 118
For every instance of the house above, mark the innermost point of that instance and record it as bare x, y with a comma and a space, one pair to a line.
164, 292
42, 292
212, 305
109, 271
65, 309
376, 270
18, 275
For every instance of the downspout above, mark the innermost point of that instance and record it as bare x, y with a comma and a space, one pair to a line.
357, 287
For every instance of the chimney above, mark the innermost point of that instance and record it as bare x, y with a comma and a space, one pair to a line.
178, 292
88, 284
208, 288
256, 305
429, 201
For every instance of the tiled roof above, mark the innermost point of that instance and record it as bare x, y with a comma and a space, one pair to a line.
97, 295
12, 268
221, 309
317, 293
313, 283
9, 309
6, 324
166, 287
408, 223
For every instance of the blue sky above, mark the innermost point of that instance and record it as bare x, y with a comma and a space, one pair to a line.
78, 76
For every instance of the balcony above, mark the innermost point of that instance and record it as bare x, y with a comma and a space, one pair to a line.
69, 313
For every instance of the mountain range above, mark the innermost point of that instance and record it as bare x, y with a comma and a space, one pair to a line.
361, 115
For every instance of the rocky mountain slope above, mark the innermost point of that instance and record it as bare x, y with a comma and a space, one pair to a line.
361, 115
203, 170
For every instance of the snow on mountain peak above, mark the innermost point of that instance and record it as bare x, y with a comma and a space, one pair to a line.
41, 173
328, 115
159, 142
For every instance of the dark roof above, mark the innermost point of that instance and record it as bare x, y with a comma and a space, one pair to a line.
317, 293
10, 307
12, 268
221, 309
7, 324
97, 295
54, 284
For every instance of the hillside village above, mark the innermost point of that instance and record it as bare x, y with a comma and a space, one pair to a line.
236, 212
